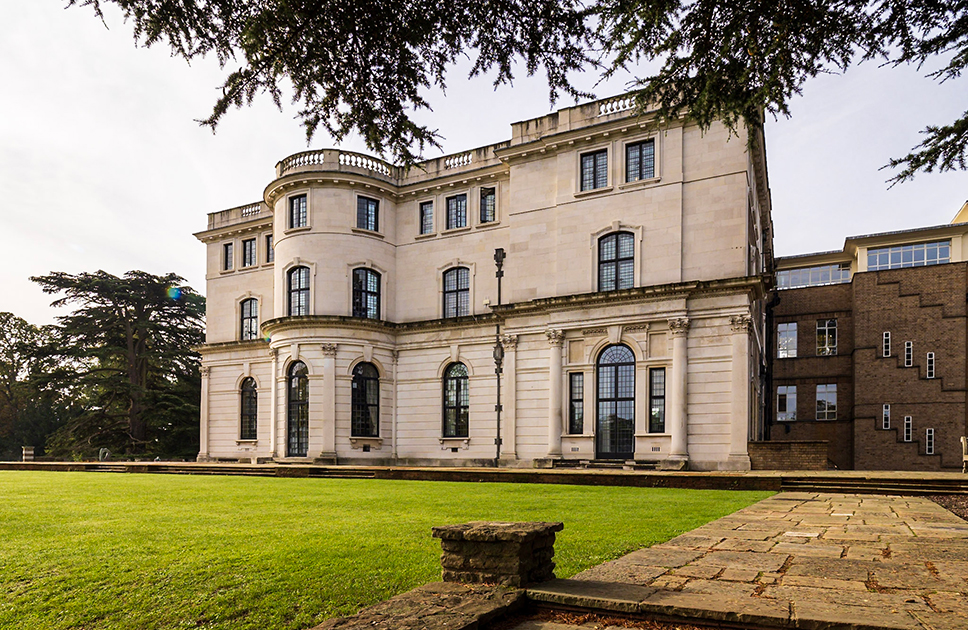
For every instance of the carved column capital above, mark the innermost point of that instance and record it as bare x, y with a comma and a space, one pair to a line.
679, 326
510, 342
740, 323
555, 337
329, 349
204, 371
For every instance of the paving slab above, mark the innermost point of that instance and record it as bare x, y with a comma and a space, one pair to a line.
435, 606
814, 561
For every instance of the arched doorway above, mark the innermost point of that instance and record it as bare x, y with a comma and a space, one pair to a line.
615, 404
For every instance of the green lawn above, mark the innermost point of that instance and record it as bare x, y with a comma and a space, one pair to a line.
102, 550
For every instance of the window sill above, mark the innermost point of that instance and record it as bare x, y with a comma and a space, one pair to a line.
463, 228
451, 442
294, 230
366, 232
488, 225
653, 435
594, 191
224, 272
423, 236
375, 443
639, 183
247, 442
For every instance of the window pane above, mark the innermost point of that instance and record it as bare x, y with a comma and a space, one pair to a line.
594, 170
426, 217
657, 400
607, 248
488, 205
601, 169
587, 172
456, 211
625, 275
632, 162
297, 211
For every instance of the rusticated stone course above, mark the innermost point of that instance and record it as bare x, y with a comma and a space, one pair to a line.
511, 554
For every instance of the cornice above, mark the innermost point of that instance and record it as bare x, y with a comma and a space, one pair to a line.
234, 229
565, 140
752, 285
332, 177
233, 345
396, 190
749, 284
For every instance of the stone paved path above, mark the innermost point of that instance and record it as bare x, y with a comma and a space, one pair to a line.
802, 560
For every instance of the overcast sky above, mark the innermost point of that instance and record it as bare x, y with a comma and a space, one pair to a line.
102, 165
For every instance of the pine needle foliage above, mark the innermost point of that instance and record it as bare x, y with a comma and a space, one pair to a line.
126, 355
364, 66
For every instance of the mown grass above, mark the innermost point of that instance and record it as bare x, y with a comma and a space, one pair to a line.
138, 552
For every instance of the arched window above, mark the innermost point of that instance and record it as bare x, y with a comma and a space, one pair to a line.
366, 293
297, 444
248, 427
456, 400
299, 291
249, 325
616, 261
457, 292
616, 403
365, 420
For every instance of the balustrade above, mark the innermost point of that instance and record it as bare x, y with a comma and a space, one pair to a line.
618, 104
456, 161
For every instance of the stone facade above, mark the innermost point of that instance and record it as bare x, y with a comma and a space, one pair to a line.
894, 412
664, 265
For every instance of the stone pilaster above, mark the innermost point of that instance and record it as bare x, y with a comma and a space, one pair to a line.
203, 414
555, 339
509, 389
739, 458
274, 402
329, 402
678, 423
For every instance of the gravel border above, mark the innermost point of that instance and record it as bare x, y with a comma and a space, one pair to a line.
957, 504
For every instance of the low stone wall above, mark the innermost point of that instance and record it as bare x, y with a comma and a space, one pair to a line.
510, 554
789, 455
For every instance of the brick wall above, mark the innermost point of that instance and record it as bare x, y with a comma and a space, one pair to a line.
805, 306
790, 455
926, 306
923, 305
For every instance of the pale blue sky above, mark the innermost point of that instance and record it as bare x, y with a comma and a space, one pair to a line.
103, 167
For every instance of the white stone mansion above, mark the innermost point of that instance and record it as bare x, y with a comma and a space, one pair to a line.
353, 312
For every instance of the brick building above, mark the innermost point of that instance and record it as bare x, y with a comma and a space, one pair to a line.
869, 349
